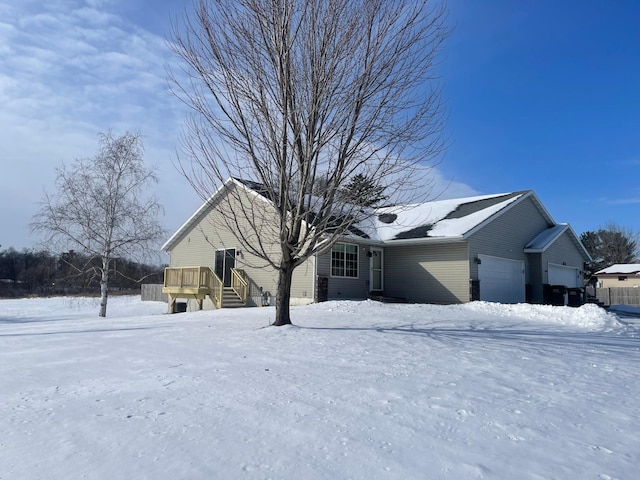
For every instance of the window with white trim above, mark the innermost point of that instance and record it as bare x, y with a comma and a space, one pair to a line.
344, 260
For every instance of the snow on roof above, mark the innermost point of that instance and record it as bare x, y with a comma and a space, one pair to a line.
621, 268
545, 238
438, 219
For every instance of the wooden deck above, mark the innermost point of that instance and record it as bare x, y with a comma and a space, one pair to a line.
198, 282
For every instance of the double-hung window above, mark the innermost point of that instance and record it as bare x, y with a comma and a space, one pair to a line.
344, 260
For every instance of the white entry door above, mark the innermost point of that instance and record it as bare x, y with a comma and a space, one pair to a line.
376, 270
501, 279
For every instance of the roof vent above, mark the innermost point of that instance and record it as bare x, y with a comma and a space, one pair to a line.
387, 217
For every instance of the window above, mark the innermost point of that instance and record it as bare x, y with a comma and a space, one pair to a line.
344, 260
622, 278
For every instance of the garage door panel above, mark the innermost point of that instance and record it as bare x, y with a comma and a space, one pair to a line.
563, 275
501, 279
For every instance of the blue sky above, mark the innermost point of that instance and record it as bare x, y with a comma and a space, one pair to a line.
545, 95
542, 95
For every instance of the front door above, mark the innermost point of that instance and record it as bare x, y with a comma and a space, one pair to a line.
225, 261
376, 272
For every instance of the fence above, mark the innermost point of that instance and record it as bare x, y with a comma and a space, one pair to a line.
152, 292
619, 296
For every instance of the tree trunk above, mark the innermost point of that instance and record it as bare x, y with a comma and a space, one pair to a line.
283, 295
104, 287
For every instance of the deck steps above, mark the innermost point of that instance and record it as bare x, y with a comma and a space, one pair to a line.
230, 299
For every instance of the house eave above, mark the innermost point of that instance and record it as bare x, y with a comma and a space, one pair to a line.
167, 246
613, 275
193, 219
550, 241
424, 240
403, 241
523, 195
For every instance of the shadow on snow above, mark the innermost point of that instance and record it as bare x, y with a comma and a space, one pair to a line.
625, 340
65, 332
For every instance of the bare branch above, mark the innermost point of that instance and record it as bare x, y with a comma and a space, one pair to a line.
302, 97
100, 209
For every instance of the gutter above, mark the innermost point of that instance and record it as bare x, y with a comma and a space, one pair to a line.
406, 241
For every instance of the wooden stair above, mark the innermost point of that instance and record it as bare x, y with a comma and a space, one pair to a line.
230, 299
200, 282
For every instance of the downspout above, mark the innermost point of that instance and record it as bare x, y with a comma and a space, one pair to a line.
314, 280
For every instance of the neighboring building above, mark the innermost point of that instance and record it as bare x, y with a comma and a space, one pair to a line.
503, 248
624, 275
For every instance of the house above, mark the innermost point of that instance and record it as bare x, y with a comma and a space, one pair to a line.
625, 275
502, 248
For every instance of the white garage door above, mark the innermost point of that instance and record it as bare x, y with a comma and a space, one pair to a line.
563, 275
501, 279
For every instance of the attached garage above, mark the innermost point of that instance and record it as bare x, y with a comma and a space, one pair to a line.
564, 275
501, 279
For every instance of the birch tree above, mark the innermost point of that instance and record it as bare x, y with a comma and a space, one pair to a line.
102, 207
301, 97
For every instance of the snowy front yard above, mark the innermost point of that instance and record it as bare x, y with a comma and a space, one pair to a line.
355, 390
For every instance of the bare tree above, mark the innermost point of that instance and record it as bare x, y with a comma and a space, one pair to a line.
101, 207
611, 244
301, 97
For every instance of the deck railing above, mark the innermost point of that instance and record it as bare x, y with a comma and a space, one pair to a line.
187, 277
201, 281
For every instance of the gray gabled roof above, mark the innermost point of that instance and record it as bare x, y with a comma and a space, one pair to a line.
441, 220
547, 237
435, 221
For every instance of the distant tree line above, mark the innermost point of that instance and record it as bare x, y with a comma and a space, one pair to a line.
41, 273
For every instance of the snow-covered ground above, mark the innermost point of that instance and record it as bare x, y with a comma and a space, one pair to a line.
355, 390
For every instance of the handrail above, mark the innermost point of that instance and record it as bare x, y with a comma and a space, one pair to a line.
239, 284
216, 289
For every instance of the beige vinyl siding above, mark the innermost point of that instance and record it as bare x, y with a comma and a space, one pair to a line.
436, 273
303, 282
507, 235
198, 245
613, 281
562, 252
345, 288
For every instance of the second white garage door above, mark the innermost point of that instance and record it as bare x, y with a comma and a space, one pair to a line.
501, 279
563, 275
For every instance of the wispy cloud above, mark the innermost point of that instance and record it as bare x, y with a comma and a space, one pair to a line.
82, 59
70, 69
623, 201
